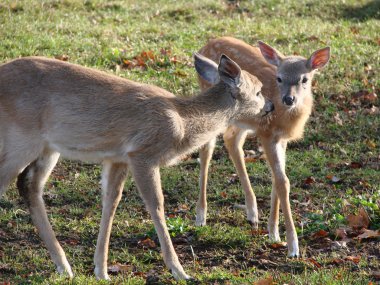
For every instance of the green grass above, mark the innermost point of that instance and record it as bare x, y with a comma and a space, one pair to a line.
104, 35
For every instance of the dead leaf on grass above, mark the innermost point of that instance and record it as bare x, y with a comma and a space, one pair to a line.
320, 234
119, 268
277, 245
368, 234
314, 262
62, 57
266, 281
354, 259
376, 275
333, 178
359, 221
341, 233
149, 243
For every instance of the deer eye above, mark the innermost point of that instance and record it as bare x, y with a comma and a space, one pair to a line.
279, 80
258, 93
304, 80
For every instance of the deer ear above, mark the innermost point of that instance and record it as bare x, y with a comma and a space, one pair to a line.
229, 71
270, 54
206, 68
319, 58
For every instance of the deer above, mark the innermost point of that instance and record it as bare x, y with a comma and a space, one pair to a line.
287, 82
50, 108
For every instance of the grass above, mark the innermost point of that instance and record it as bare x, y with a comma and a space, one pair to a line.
107, 35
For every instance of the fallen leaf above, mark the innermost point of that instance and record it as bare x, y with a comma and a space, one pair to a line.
359, 221
149, 243
356, 165
223, 194
309, 180
266, 281
376, 275
333, 178
320, 234
337, 261
354, 259
62, 57
250, 159
278, 245
367, 234
314, 262
119, 268
370, 143
338, 119
341, 233
258, 232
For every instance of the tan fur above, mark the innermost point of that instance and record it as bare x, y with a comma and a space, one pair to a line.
49, 107
274, 131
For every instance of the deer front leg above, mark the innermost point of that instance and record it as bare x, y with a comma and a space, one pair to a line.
30, 184
275, 153
234, 139
113, 177
205, 154
148, 182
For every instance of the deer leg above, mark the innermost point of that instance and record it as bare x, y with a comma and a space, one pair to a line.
30, 184
234, 139
148, 181
205, 154
275, 153
113, 177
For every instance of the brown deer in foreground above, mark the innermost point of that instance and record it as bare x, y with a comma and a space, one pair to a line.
49, 107
287, 83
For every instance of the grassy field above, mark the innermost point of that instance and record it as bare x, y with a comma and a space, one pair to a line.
334, 171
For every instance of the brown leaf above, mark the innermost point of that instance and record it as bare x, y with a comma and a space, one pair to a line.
147, 243
376, 275
250, 159
341, 233
333, 178
62, 57
309, 180
223, 194
367, 234
354, 259
320, 234
337, 261
266, 281
359, 221
314, 262
278, 245
356, 165
119, 268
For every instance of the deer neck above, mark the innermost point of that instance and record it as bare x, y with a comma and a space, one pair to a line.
207, 114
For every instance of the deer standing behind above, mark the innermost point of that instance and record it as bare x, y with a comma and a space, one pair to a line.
287, 83
49, 107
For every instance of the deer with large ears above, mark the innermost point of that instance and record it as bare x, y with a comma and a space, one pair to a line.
287, 83
49, 107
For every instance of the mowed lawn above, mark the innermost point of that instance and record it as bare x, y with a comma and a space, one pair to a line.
334, 171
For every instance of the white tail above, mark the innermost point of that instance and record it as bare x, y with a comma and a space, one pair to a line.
49, 107
287, 83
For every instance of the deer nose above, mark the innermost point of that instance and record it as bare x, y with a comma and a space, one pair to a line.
288, 100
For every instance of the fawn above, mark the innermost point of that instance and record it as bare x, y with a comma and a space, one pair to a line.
49, 107
287, 83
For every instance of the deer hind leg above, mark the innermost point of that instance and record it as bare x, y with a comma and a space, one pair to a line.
113, 177
148, 181
275, 153
205, 154
12, 162
30, 184
234, 139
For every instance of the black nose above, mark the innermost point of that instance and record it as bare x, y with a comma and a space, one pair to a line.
288, 100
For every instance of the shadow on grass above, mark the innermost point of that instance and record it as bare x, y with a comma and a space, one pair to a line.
363, 13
